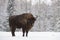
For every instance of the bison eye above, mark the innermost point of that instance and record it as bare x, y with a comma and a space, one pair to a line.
33, 19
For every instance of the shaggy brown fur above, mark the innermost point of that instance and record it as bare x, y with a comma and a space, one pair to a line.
24, 21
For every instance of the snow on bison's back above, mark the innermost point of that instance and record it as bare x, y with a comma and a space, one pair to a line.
24, 21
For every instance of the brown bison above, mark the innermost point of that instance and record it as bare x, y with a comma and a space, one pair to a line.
24, 21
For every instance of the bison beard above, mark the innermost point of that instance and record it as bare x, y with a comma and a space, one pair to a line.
24, 21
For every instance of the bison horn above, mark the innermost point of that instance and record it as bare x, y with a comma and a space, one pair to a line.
36, 16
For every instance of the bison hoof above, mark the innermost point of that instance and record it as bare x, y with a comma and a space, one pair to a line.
26, 35
13, 35
23, 35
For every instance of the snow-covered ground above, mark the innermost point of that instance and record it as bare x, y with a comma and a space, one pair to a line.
31, 36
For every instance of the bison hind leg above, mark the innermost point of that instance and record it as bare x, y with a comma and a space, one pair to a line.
23, 29
13, 31
13, 34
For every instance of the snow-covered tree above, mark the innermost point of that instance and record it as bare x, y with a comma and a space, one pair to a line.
48, 15
10, 8
56, 11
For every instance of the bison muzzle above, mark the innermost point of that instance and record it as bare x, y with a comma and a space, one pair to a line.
24, 21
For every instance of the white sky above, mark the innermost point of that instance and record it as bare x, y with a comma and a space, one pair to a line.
48, 2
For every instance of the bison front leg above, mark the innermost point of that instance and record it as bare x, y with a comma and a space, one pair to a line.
26, 33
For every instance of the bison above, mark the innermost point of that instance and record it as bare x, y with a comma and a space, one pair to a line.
24, 21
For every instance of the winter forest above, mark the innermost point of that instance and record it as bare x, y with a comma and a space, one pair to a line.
48, 12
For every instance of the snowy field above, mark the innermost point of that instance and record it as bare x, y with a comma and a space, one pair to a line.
31, 36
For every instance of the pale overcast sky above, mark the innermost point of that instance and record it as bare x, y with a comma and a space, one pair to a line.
48, 2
